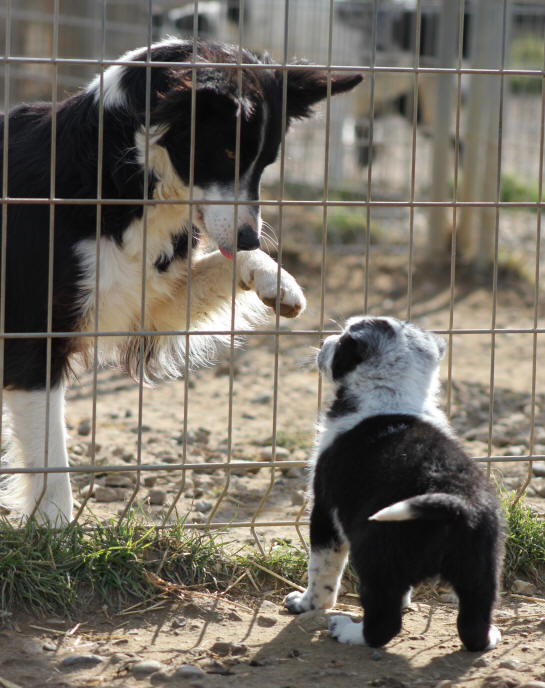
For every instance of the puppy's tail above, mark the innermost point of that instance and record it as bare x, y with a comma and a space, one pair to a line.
431, 507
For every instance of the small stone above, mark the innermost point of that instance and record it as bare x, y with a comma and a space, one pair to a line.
161, 676
167, 457
188, 671
87, 491
80, 661
265, 620
522, 587
149, 480
222, 648
262, 399
180, 438
449, 597
513, 664
145, 668
481, 662
202, 505
266, 453
202, 435
376, 656
143, 428
84, 427
106, 494
268, 606
157, 496
49, 646
118, 480
538, 469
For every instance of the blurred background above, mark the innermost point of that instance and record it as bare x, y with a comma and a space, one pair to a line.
402, 123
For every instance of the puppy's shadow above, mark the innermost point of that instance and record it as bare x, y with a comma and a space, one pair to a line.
306, 646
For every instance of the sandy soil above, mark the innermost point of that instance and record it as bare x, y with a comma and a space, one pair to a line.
249, 641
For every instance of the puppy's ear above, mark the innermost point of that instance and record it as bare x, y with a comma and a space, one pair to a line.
306, 87
441, 345
350, 352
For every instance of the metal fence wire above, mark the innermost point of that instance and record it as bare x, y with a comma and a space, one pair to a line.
433, 104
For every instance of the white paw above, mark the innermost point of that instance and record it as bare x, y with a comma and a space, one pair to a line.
298, 602
260, 272
343, 629
494, 637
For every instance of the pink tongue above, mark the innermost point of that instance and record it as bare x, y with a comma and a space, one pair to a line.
225, 253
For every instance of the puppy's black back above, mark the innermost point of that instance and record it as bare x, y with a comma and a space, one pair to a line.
389, 458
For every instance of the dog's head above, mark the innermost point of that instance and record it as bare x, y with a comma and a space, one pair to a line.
195, 115
381, 352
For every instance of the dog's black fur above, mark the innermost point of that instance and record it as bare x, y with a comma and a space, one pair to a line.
449, 523
147, 154
122, 175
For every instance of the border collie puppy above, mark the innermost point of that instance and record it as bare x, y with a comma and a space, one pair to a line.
97, 282
391, 485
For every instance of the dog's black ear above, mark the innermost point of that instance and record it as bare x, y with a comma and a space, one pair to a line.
350, 352
306, 87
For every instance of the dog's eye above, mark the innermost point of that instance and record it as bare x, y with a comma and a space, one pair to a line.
230, 154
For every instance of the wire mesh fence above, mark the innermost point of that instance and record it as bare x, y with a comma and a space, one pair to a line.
418, 194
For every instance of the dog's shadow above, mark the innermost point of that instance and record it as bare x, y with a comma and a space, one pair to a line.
308, 649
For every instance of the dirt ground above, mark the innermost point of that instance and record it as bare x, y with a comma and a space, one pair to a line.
250, 641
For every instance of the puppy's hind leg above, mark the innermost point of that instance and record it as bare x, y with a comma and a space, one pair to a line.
328, 554
23, 491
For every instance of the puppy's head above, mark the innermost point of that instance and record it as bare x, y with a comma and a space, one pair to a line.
217, 126
380, 351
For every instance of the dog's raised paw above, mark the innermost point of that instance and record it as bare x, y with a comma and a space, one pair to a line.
297, 603
343, 629
260, 273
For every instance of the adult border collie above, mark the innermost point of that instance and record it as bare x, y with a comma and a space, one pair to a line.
220, 99
391, 484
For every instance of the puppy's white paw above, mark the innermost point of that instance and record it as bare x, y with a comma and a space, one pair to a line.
343, 629
494, 637
298, 602
260, 272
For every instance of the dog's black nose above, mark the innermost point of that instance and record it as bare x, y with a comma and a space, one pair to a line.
247, 239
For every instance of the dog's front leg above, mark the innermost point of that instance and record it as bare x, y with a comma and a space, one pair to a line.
328, 554
22, 492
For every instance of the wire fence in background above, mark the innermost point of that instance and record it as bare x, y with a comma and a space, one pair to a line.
443, 144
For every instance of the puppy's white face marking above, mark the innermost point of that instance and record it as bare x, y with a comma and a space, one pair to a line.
381, 366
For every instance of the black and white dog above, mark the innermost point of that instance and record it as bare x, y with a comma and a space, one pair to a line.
391, 485
97, 285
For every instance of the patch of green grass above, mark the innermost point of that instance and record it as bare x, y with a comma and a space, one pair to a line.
298, 439
525, 544
345, 225
58, 571
526, 53
513, 190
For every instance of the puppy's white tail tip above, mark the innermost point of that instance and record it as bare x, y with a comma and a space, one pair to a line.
400, 511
